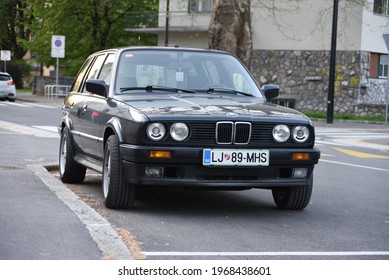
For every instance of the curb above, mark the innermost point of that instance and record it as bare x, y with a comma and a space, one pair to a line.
101, 231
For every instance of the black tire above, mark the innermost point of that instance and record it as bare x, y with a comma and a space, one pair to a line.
116, 192
70, 171
293, 198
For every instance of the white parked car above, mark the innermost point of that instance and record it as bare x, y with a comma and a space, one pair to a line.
7, 87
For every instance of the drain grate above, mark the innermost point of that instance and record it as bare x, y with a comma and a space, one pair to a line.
10, 168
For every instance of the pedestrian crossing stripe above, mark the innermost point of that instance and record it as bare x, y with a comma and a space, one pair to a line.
360, 154
326, 155
27, 105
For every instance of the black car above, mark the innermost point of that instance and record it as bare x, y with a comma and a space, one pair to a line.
161, 116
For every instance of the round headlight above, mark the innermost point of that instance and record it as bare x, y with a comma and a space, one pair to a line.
300, 134
281, 133
179, 131
156, 131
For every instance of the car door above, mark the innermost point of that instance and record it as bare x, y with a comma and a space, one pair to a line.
76, 103
92, 117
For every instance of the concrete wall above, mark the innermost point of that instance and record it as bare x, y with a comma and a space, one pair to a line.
303, 79
190, 40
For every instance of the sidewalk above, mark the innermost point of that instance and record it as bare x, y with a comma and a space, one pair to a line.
40, 218
359, 126
40, 99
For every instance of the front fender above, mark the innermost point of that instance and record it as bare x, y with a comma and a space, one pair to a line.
65, 122
113, 126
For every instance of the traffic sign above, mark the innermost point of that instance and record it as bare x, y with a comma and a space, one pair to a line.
5, 55
58, 46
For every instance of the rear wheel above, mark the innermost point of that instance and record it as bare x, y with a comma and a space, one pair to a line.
70, 171
293, 198
117, 193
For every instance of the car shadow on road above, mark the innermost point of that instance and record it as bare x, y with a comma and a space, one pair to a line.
179, 201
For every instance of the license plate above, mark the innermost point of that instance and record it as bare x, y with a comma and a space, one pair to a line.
236, 157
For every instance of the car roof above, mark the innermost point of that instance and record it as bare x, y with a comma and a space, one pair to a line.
157, 48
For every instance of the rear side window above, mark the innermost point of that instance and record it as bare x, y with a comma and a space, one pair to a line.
5, 77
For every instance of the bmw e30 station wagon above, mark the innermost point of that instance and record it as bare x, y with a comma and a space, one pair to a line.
161, 116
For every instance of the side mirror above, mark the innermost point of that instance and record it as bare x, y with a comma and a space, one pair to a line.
270, 91
98, 87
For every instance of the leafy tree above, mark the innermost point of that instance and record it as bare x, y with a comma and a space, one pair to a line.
12, 27
89, 26
12, 30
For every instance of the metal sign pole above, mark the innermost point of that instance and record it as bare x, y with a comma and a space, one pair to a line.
386, 38
57, 51
56, 79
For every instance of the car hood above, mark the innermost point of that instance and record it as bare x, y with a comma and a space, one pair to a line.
191, 105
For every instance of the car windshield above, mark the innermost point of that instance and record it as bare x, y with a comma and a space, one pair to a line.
183, 71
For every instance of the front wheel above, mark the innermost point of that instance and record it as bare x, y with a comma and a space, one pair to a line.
117, 193
293, 198
70, 171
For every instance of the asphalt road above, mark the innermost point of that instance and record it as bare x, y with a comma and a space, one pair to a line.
348, 217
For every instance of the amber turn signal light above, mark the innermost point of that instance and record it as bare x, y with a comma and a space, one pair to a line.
301, 156
160, 154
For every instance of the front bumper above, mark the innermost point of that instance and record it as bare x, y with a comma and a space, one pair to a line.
185, 168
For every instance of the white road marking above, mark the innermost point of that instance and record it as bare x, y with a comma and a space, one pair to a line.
27, 105
28, 130
330, 143
14, 104
352, 139
48, 128
354, 165
248, 254
370, 136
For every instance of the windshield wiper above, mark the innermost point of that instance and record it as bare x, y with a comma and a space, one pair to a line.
225, 90
150, 88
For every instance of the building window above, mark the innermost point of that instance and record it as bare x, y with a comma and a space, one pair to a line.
383, 66
200, 6
381, 7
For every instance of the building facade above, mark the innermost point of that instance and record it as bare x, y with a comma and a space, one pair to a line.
291, 48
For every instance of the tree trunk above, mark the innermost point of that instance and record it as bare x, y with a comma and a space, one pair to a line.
230, 28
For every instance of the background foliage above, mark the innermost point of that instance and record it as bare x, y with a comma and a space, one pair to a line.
89, 26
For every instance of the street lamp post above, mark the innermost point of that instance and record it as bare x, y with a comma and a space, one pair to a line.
386, 38
331, 82
167, 23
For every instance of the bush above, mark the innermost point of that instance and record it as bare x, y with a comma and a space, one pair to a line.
19, 71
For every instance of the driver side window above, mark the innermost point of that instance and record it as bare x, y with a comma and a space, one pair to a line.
106, 70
